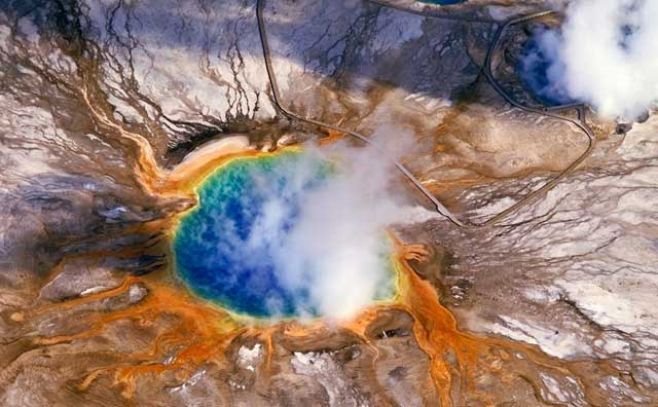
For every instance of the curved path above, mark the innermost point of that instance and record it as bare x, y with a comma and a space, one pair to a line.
581, 124
441, 209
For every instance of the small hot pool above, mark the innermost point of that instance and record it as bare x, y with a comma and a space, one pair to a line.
540, 74
232, 248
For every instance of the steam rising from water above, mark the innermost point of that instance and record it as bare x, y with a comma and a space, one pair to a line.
291, 243
605, 54
336, 246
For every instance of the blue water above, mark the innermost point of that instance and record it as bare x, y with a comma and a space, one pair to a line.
533, 69
223, 251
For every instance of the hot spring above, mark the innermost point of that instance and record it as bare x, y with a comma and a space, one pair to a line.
243, 247
538, 70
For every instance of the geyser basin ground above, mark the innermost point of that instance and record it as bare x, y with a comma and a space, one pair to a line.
443, 2
240, 247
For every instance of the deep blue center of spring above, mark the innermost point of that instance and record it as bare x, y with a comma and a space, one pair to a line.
214, 247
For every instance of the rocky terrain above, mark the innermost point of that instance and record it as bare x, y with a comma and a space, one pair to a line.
102, 101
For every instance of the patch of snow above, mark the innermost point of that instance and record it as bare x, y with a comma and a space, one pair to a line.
542, 294
619, 388
194, 379
248, 358
624, 300
93, 290
567, 391
322, 367
561, 345
394, 28
495, 207
136, 293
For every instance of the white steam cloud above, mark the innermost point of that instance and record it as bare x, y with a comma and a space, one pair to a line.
606, 54
335, 250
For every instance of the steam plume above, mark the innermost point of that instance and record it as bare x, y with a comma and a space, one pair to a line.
335, 251
605, 54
